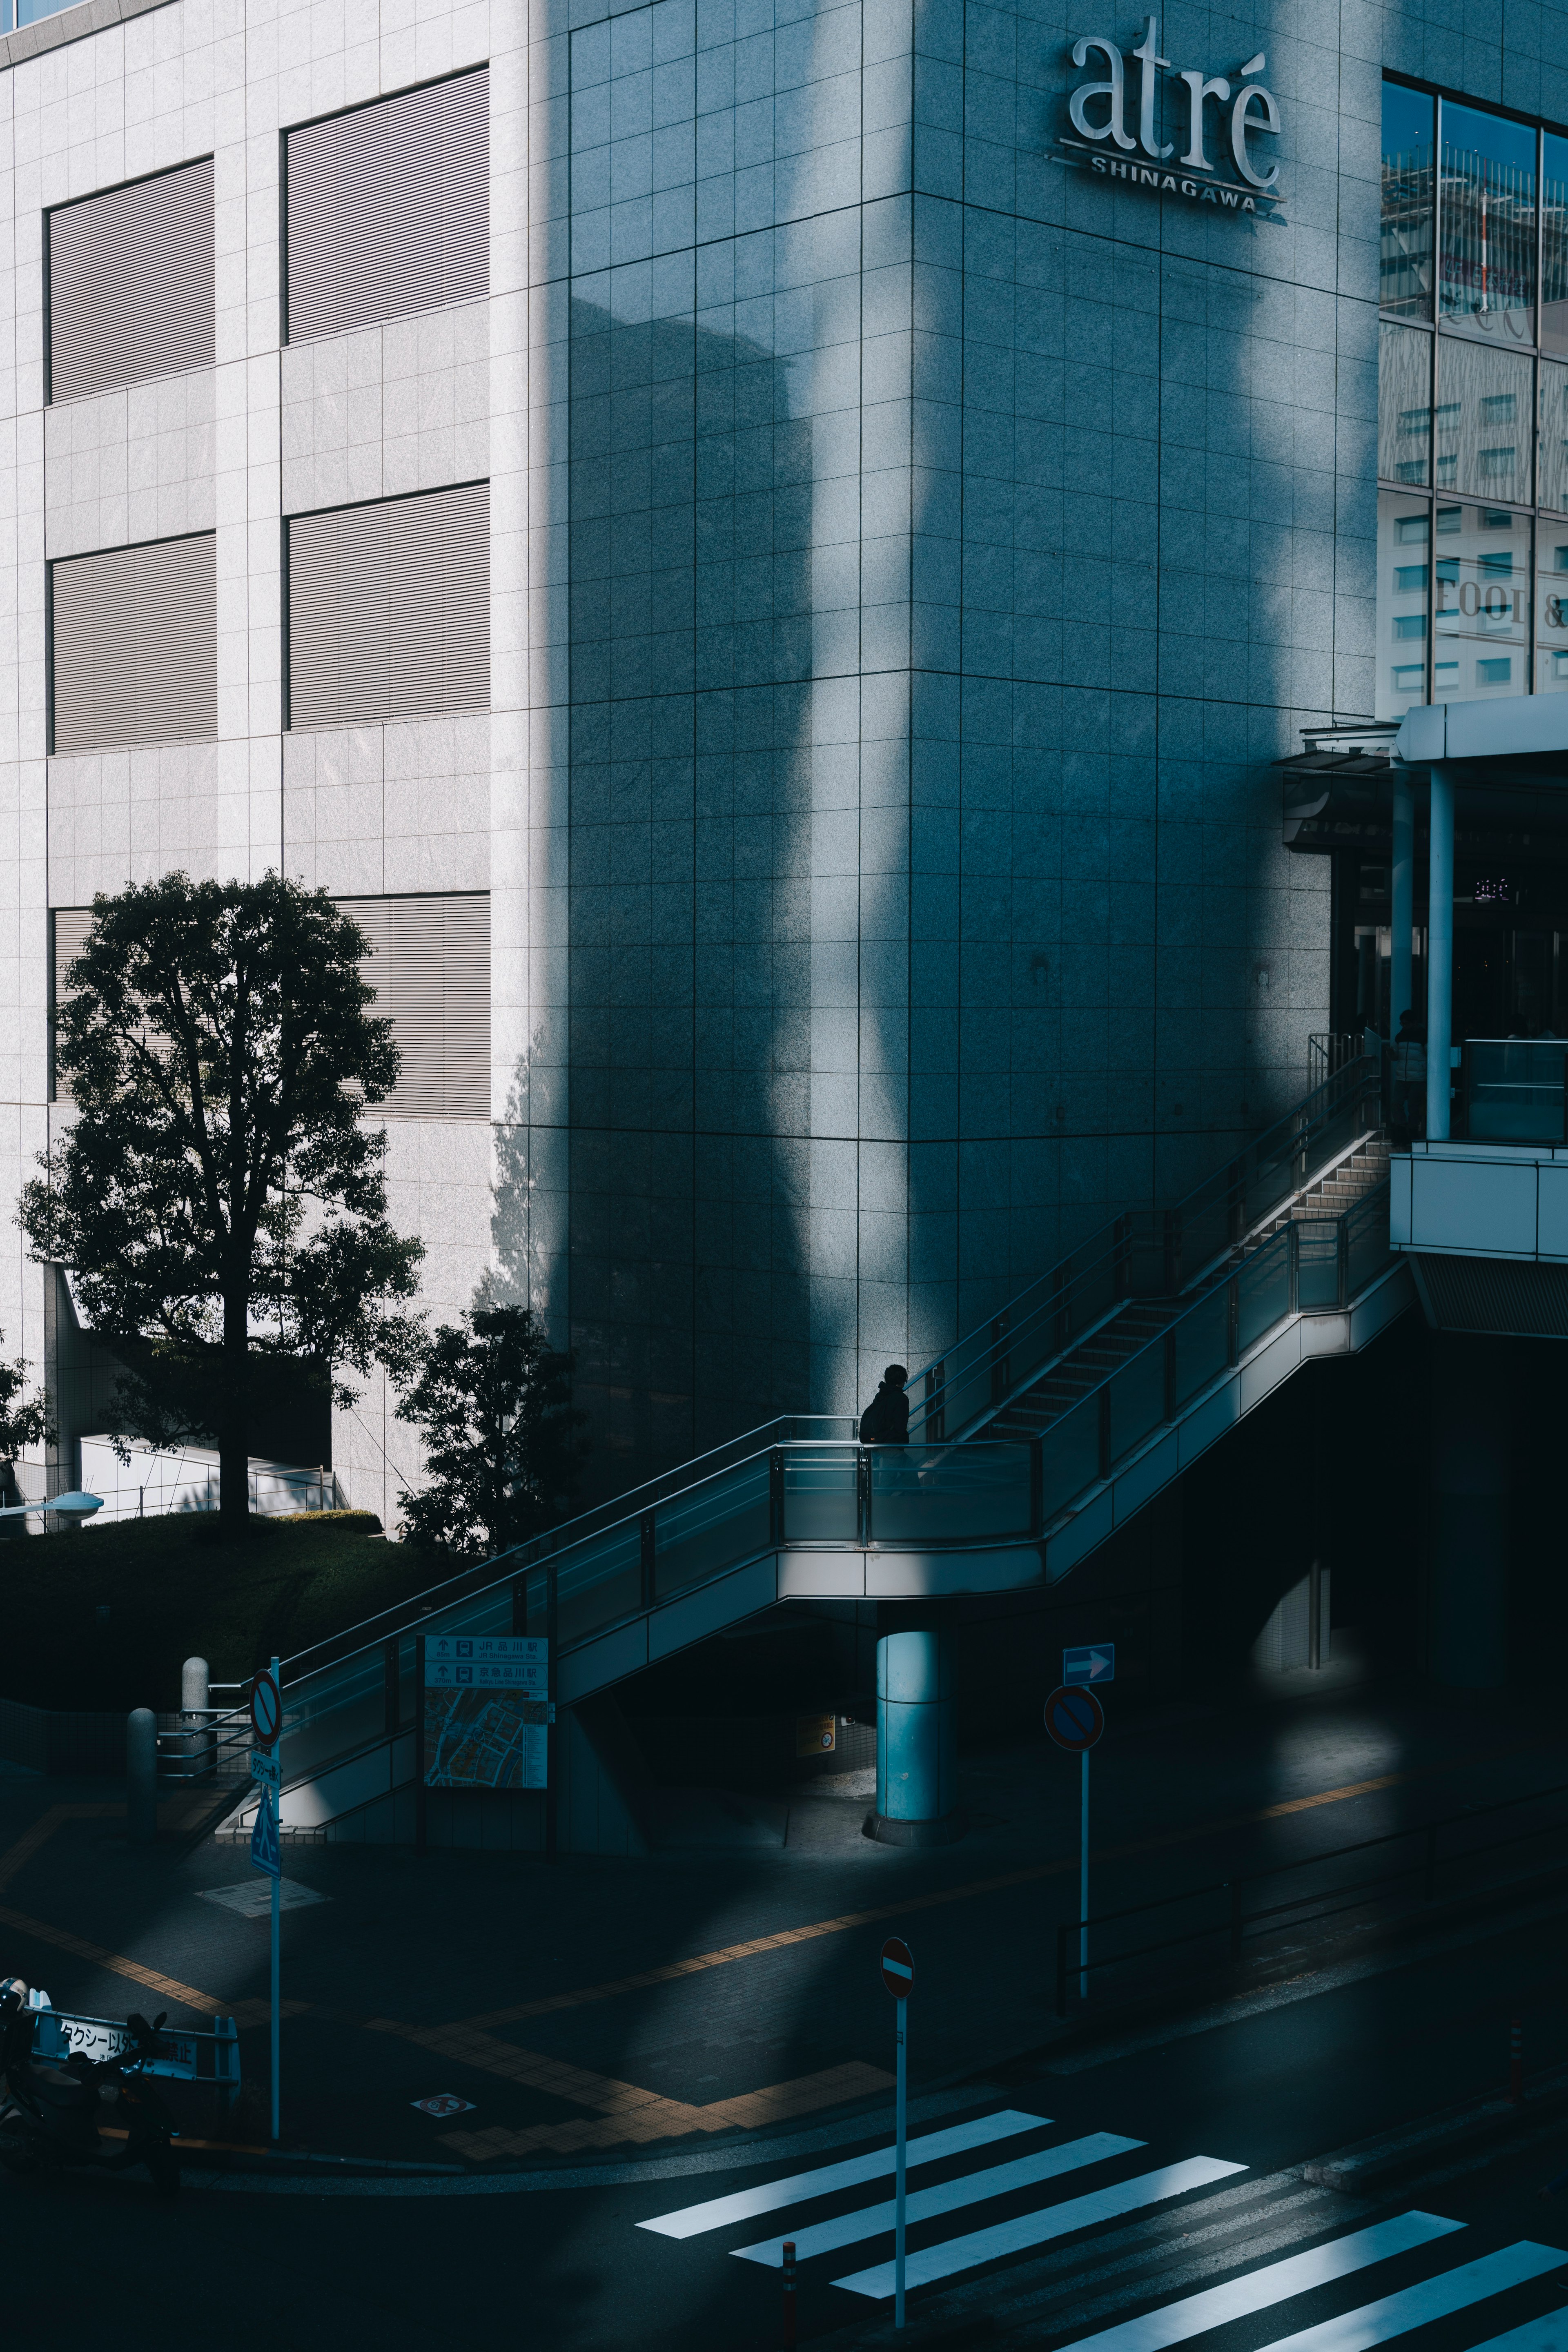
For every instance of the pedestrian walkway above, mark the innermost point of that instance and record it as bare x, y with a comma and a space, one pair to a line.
972, 2217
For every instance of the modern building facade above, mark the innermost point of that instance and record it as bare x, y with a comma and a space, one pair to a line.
771, 554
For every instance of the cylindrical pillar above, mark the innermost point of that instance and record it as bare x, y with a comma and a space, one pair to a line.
142, 1776
1403, 894
916, 1761
1439, 954
1470, 1430
196, 1699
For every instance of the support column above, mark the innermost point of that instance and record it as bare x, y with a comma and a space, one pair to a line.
916, 1750
1439, 954
1471, 1429
1402, 879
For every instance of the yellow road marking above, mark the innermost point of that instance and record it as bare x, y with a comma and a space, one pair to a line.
672, 1970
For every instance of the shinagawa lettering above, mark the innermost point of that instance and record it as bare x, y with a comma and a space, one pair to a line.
1141, 175
1099, 112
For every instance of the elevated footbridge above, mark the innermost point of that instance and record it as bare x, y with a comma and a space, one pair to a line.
1030, 1442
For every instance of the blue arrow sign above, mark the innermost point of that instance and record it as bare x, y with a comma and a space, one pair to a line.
264, 1852
1095, 1663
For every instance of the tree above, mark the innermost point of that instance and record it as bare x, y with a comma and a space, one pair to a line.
219, 1198
24, 1420
493, 1402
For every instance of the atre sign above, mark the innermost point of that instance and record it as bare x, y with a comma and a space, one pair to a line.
1228, 111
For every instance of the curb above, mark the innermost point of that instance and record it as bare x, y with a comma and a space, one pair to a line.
1359, 2166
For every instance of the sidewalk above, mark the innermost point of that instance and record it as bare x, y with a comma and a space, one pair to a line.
599, 2008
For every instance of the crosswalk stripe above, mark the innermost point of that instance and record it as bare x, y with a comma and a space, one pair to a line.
1049, 2221
1548, 2334
946, 2196
1433, 2298
1174, 2323
717, 2212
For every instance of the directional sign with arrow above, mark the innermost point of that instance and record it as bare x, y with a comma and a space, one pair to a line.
1094, 1662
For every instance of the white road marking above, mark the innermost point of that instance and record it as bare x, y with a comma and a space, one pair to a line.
1546, 2335
717, 2212
947, 2197
1049, 2221
1374, 2323
1174, 2323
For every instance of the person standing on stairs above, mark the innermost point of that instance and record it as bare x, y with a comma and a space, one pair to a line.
886, 1419
1407, 1113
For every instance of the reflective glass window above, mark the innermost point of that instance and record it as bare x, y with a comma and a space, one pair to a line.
1406, 264
1484, 416
1487, 273
1403, 572
1551, 608
1553, 490
1403, 404
1481, 602
1554, 243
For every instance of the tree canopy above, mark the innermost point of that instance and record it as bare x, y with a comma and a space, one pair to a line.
219, 1197
24, 1420
492, 1399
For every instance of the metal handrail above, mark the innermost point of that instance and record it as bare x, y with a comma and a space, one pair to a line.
1237, 1921
1287, 1144
599, 1520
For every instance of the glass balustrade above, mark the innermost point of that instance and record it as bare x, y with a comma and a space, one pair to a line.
974, 1493
1514, 1089
822, 1495
715, 1526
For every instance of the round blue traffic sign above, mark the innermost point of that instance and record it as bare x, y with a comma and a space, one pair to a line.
266, 1709
1074, 1717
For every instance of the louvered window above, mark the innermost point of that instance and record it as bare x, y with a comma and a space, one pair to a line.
429, 964
430, 967
389, 609
70, 927
130, 283
133, 638
388, 208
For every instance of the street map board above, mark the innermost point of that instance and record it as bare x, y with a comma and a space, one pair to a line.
485, 1720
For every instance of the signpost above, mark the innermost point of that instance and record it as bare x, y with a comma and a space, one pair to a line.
1075, 1720
1094, 1662
265, 1847
482, 1715
898, 1976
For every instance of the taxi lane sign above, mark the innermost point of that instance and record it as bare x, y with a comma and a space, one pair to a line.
1075, 1719
898, 1968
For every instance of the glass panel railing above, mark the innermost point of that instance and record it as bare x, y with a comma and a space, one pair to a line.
822, 1495
1263, 1290
1137, 1398
1202, 1344
1367, 1249
598, 1581
712, 1526
1514, 1090
1070, 1458
950, 1494
1317, 1264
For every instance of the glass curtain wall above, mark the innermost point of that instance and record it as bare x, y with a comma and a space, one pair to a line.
1472, 549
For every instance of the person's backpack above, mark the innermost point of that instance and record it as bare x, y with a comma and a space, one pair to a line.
874, 1420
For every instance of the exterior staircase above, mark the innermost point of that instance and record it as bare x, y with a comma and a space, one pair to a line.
1030, 1441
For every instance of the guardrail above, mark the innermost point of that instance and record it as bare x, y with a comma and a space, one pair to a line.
1143, 1252
1233, 1922
205, 1744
